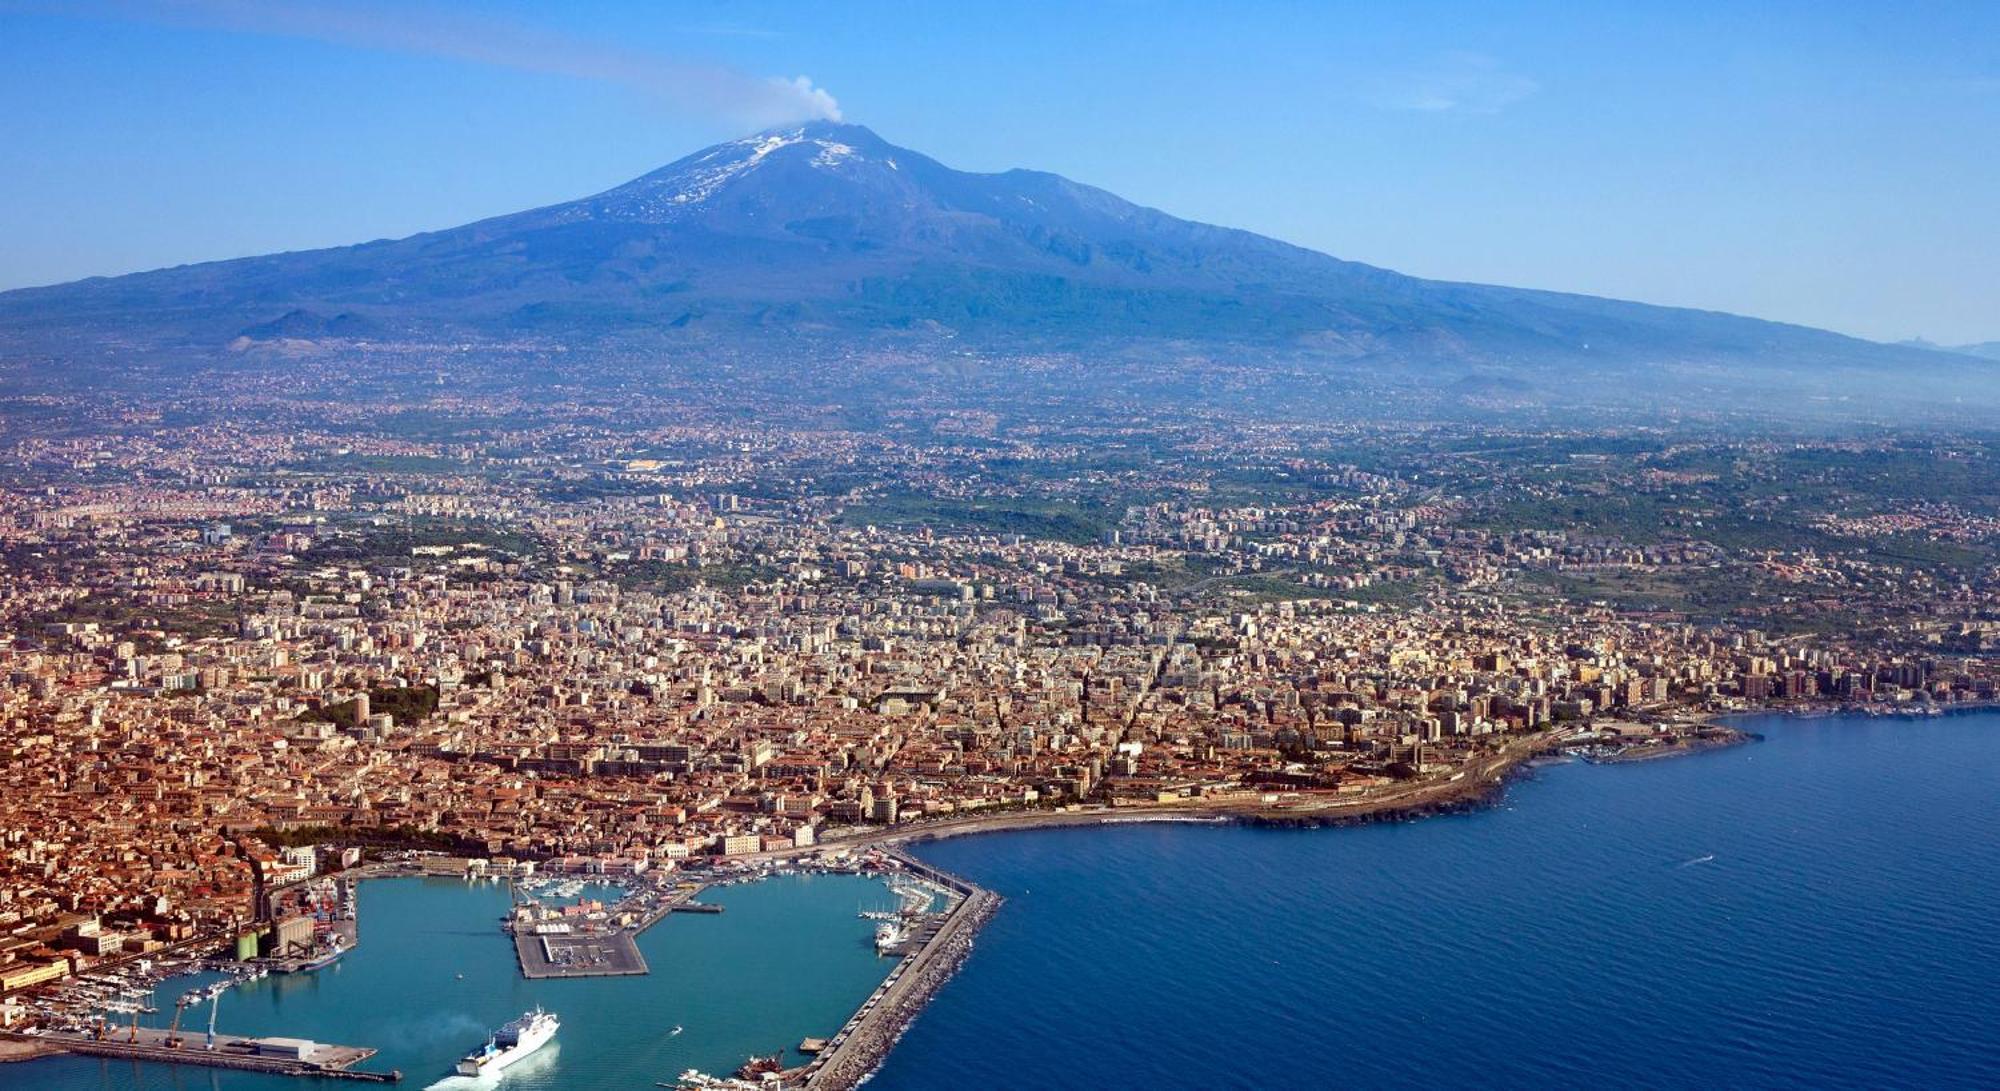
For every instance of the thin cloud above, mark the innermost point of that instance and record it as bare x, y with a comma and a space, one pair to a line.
733, 30
1458, 82
684, 85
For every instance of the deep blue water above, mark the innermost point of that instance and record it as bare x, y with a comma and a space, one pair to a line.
1846, 933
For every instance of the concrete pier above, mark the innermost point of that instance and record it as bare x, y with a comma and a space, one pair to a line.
610, 952
584, 954
276, 1056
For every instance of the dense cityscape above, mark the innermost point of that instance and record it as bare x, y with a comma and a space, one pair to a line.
627, 649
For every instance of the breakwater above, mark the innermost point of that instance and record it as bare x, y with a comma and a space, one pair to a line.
862, 1045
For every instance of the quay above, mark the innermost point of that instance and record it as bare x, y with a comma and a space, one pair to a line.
604, 952
584, 954
273, 1056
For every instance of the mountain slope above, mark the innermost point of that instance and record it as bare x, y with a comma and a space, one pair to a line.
826, 232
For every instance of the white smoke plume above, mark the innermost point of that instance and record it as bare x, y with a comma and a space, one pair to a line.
685, 85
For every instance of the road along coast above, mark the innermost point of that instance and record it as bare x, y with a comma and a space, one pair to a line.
1477, 784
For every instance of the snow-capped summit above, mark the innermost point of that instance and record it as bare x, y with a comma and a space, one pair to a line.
681, 188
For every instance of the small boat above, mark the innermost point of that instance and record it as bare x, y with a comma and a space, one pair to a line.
676, 1032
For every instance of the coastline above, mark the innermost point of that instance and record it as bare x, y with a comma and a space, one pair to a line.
1821, 710
1681, 747
874, 1032
1470, 790
874, 1029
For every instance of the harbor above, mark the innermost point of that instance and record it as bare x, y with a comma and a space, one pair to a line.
929, 934
917, 938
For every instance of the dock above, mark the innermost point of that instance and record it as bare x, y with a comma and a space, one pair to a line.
583, 954
604, 952
273, 1056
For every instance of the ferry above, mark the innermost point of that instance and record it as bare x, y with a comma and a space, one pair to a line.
510, 1043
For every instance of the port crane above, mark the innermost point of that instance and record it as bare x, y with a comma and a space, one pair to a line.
212, 994
120, 1007
180, 1008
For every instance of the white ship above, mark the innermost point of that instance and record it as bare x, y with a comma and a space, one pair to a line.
510, 1043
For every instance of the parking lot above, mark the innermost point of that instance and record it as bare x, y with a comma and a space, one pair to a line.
608, 954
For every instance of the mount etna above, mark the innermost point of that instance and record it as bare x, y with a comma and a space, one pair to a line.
824, 242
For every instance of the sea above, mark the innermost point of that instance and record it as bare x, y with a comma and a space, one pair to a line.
1819, 909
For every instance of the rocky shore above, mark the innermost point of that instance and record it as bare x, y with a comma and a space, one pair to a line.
1714, 737
1911, 710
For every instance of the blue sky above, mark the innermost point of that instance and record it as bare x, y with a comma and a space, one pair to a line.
1835, 164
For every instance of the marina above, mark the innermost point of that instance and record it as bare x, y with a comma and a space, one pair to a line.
928, 942
574, 936
850, 1056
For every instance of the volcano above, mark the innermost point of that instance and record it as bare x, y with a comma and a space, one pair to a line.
825, 235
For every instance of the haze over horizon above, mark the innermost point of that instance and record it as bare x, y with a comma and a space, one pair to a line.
1817, 166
